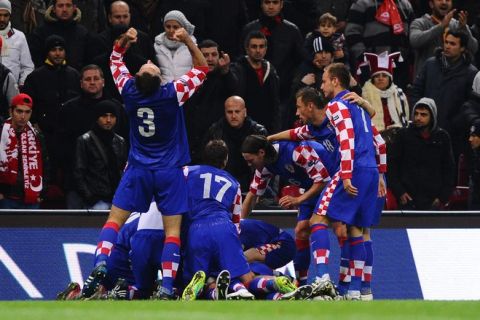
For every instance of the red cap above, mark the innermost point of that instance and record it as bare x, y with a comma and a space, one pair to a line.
22, 99
382, 63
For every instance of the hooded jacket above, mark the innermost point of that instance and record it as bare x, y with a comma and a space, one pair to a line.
422, 165
75, 36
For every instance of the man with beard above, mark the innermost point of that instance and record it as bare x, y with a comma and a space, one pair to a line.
428, 31
421, 167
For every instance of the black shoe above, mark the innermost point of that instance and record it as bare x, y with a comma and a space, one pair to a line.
72, 292
223, 281
93, 281
120, 291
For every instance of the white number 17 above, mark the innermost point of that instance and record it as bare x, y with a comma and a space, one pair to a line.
208, 183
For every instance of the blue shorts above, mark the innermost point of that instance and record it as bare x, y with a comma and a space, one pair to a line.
118, 266
138, 186
279, 252
146, 259
213, 244
306, 209
337, 204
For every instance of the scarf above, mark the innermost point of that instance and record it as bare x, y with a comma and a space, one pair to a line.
388, 14
31, 157
373, 95
269, 23
170, 44
5, 34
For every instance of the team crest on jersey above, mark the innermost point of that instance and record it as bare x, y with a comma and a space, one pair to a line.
312, 163
335, 118
290, 168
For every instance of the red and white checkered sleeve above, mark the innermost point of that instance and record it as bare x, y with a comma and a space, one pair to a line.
380, 150
119, 71
260, 182
340, 117
187, 84
237, 209
300, 133
307, 158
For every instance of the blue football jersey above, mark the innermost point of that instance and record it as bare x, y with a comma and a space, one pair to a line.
158, 137
212, 193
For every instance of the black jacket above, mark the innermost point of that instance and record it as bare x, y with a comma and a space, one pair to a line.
262, 101
422, 167
207, 106
97, 175
236, 165
78, 117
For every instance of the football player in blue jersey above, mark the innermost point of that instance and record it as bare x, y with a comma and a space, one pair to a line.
305, 164
158, 150
311, 109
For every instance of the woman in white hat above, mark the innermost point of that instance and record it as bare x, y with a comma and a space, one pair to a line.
173, 56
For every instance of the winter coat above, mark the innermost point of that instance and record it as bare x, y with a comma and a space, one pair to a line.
422, 167
75, 35
173, 64
236, 165
449, 86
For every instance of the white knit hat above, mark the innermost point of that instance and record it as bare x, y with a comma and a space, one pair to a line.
6, 5
476, 84
180, 18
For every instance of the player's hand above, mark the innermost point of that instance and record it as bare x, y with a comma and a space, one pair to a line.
128, 38
404, 198
351, 190
382, 188
288, 202
308, 79
448, 17
181, 35
355, 98
224, 62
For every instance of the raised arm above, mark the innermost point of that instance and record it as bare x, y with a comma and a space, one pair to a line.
119, 71
197, 56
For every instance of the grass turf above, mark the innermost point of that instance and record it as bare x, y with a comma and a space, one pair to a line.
236, 310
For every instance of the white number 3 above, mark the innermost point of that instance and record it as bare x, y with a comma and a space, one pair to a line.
147, 129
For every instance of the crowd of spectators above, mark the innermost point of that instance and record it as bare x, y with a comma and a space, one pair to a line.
408, 58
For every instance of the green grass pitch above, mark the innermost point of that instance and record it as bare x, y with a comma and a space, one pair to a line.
238, 310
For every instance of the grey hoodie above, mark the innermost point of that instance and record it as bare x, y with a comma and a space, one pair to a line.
430, 104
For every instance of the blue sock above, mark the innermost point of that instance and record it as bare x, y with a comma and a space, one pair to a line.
301, 261
106, 240
320, 244
261, 285
236, 284
170, 261
344, 274
272, 296
357, 262
367, 270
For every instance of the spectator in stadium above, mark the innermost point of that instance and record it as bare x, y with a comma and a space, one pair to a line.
470, 110
326, 28
258, 83
173, 56
338, 8
62, 19
447, 79
474, 178
364, 33
9, 89
421, 165
49, 86
207, 105
428, 32
15, 54
233, 128
27, 15
23, 158
285, 45
78, 116
388, 100
100, 159
119, 19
